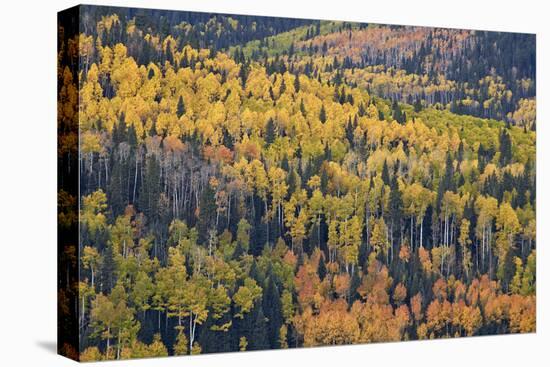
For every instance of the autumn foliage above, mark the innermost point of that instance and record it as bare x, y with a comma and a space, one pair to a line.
235, 198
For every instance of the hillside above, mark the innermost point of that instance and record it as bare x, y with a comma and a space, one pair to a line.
325, 183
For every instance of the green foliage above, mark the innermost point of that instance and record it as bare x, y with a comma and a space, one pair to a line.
259, 191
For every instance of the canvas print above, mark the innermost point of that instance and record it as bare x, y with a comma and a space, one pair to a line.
234, 183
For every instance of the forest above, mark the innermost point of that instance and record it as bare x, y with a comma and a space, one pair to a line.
250, 183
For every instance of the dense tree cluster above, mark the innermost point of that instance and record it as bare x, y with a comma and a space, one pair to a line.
478, 73
130, 26
486, 74
235, 203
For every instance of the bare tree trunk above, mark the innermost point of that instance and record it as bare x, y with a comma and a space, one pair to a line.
135, 182
108, 342
228, 209
421, 230
412, 239
266, 221
118, 346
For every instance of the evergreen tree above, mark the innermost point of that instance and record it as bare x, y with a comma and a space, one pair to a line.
323, 115
417, 105
447, 182
273, 311
396, 206
381, 115
297, 83
258, 337
460, 154
119, 130
282, 88
355, 283
385, 173
322, 269
505, 148
270, 132
243, 73
292, 182
132, 136
349, 133
181, 107
117, 187
285, 165
107, 273
303, 108
153, 129
324, 181
207, 212
150, 189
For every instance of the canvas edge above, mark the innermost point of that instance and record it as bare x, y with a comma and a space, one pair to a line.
68, 142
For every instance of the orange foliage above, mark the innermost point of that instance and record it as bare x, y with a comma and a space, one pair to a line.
333, 325
307, 283
405, 253
416, 307
399, 293
341, 284
376, 283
